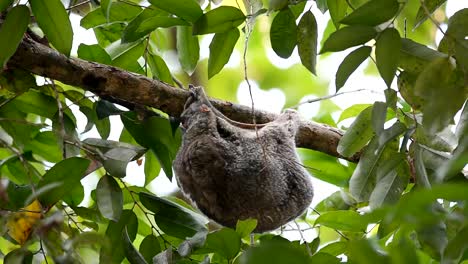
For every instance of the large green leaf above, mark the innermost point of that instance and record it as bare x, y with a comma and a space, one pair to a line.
392, 179
109, 198
131, 253
348, 37
387, 51
221, 48
283, 33
94, 53
307, 41
150, 247
12, 29
188, 49
159, 68
372, 13
364, 178
66, 174
350, 64
172, 218
218, 20
225, 242
414, 57
150, 24
155, 133
53, 20
357, 135
342, 220
129, 221
152, 167
454, 40
337, 10
424, 11
119, 12
4, 4
275, 251
364, 251
186, 9
440, 79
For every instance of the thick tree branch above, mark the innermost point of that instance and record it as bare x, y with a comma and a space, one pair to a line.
110, 82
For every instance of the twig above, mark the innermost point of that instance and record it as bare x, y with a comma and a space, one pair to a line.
325, 97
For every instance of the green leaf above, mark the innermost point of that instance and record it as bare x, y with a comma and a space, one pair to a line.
350, 64
372, 13
45, 145
150, 24
275, 251
94, 53
186, 9
324, 258
188, 49
66, 173
115, 155
225, 242
172, 218
128, 220
105, 109
430, 6
132, 255
119, 12
131, 32
348, 37
218, 20
456, 247
335, 248
274, 5
159, 68
333, 202
363, 180
342, 220
337, 10
4, 4
53, 20
392, 179
152, 167
307, 41
326, 168
440, 79
283, 33
322, 6
36, 103
106, 7
405, 82
12, 29
455, 41
387, 54
245, 227
109, 198
414, 57
364, 251
379, 115
126, 56
19, 255
352, 111
149, 247
155, 133
357, 135
221, 48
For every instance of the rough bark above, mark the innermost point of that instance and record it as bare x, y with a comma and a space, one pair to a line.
111, 82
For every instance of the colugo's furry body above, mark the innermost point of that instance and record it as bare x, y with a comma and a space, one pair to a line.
231, 174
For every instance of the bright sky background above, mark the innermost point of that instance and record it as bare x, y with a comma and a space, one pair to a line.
271, 100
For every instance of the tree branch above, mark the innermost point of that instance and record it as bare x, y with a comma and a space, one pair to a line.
110, 82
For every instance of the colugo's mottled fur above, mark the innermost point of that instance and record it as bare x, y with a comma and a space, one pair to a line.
231, 174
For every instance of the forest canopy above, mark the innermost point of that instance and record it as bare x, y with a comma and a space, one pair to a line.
76, 115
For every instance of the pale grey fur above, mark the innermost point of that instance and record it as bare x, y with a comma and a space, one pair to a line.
231, 174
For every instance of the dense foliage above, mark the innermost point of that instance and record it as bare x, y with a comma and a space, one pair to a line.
404, 202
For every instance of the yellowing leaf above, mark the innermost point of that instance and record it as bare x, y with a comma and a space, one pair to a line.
21, 223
